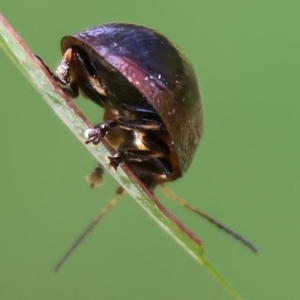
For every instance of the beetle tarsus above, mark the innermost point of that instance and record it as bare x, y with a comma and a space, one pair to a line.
116, 160
95, 179
93, 135
105, 126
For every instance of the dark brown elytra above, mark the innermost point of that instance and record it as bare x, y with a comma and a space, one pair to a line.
152, 105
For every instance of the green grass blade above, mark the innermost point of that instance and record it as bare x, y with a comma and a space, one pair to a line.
38, 76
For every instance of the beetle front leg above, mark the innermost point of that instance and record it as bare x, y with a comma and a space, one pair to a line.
62, 75
94, 135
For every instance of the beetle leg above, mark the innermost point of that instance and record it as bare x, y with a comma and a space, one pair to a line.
71, 61
62, 73
71, 90
46, 67
150, 172
63, 81
139, 124
116, 160
80, 63
95, 178
106, 126
94, 135
87, 72
134, 155
152, 142
136, 109
153, 172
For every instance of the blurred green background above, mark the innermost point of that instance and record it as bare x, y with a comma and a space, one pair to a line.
245, 172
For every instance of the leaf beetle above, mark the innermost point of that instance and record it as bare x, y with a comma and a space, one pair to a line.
149, 92
152, 105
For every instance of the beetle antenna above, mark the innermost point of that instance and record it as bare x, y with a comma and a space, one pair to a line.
90, 227
180, 201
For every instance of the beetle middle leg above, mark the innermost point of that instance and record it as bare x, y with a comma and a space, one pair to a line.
94, 135
140, 147
143, 145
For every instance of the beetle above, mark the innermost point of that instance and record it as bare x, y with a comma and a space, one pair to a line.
152, 105
149, 91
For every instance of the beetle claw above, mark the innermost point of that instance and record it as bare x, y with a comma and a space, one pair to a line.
93, 135
115, 161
